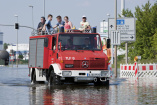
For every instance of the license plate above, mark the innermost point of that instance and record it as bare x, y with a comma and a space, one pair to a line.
93, 74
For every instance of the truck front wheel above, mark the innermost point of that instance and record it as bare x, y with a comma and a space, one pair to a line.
54, 79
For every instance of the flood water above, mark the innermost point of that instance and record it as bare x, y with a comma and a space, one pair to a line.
16, 89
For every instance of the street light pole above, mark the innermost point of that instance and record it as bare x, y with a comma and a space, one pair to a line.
115, 56
32, 17
44, 8
17, 44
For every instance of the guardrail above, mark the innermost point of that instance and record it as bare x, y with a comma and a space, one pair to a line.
144, 71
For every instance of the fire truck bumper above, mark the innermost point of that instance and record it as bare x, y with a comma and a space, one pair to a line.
86, 76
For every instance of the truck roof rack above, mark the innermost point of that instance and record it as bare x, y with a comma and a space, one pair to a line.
36, 32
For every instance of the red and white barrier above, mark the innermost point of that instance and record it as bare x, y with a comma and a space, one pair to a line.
110, 69
143, 70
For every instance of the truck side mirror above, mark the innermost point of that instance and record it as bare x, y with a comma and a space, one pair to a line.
46, 42
108, 43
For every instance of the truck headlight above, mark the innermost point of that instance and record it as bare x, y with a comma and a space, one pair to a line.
69, 65
104, 73
66, 73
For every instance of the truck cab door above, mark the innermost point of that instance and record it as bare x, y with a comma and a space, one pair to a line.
53, 50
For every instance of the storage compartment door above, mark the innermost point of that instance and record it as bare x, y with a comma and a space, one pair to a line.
40, 53
32, 52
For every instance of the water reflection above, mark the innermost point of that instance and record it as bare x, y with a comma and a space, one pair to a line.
128, 92
16, 89
73, 94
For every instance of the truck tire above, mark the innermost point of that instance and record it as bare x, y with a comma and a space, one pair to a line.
54, 79
106, 83
34, 78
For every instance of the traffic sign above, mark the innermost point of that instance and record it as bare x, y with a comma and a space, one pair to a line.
115, 38
126, 26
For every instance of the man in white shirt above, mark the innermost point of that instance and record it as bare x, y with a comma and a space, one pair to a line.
84, 25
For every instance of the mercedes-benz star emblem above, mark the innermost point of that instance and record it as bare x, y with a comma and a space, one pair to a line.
85, 64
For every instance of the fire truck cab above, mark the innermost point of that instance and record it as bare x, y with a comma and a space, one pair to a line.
72, 56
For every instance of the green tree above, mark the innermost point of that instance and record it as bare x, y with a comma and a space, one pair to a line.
146, 31
5, 46
20, 56
126, 13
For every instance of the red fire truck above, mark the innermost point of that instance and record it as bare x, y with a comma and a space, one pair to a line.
71, 56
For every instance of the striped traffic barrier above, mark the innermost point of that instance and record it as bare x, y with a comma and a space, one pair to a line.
110, 69
143, 71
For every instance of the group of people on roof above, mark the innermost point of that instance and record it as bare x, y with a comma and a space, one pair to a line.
45, 25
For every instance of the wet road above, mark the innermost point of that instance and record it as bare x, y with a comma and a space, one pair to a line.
16, 89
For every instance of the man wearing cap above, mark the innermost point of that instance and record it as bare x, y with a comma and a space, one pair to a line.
41, 24
84, 25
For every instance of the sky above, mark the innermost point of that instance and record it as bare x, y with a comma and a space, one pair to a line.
95, 10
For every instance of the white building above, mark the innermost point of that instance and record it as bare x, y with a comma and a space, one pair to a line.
1, 40
23, 49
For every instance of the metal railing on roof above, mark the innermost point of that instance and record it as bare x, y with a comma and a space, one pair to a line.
36, 32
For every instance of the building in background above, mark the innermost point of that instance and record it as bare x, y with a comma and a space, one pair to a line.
23, 49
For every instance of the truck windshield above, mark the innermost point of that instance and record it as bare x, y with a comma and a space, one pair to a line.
79, 42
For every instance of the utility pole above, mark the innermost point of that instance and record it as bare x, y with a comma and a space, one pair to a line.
115, 56
17, 45
126, 43
126, 54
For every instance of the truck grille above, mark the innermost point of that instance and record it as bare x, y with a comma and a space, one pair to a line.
77, 64
90, 64
97, 64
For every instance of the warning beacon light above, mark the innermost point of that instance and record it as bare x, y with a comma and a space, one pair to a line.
61, 29
94, 30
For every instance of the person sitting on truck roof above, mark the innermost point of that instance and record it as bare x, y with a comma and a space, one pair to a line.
60, 22
86, 44
41, 24
68, 24
84, 25
47, 26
